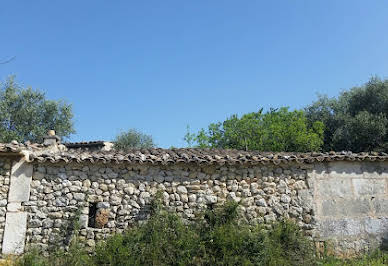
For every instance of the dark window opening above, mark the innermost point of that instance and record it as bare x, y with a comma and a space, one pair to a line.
92, 214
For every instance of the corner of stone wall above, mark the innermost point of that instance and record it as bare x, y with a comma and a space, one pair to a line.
16, 218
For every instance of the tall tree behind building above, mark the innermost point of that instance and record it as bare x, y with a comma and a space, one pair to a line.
26, 115
276, 130
133, 139
357, 120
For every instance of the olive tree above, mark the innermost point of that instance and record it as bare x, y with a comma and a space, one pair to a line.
133, 139
26, 114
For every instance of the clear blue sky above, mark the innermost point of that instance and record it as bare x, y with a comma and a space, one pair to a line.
160, 65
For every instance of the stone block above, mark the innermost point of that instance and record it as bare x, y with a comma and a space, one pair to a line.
345, 208
340, 228
376, 226
15, 233
364, 187
21, 176
14, 206
83, 220
103, 205
3, 203
380, 206
329, 208
335, 187
305, 198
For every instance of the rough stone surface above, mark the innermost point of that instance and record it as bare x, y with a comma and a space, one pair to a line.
15, 233
121, 195
21, 176
351, 205
342, 202
14, 207
5, 169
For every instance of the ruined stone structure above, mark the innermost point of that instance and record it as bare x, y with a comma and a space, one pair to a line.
337, 197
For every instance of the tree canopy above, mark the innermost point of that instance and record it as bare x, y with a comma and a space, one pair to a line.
357, 120
26, 115
275, 130
133, 139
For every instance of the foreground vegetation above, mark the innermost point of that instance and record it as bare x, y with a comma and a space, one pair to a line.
219, 237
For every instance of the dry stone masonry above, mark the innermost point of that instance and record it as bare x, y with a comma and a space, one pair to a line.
5, 172
339, 198
59, 191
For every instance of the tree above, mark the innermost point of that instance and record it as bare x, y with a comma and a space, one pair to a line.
189, 137
6, 61
276, 130
357, 120
26, 115
133, 139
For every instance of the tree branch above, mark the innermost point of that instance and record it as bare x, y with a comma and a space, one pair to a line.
7, 60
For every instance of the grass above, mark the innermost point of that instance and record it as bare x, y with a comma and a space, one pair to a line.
376, 258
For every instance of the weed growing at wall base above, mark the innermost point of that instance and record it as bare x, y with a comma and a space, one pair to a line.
220, 237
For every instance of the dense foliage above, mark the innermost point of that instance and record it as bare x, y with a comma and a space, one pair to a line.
357, 120
26, 115
133, 139
276, 130
219, 237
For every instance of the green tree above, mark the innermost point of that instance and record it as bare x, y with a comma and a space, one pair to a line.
189, 137
276, 130
133, 139
26, 115
357, 120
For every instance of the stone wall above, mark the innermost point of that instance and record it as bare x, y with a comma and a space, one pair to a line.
5, 167
59, 191
343, 203
351, 203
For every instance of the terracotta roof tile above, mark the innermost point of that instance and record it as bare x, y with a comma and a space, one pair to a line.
40, 153
200, 156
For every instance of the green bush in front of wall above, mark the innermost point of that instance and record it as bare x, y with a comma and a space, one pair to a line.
218, 237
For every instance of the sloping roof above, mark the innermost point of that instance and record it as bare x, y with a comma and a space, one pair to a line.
15, 147
40, 153
200, 156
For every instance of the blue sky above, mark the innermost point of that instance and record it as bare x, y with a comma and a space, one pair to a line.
160, 65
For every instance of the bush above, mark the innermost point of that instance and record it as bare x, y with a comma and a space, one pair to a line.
285, 244
75, 256
163, 240
218, 237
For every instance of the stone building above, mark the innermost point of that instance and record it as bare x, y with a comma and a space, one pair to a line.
336, 197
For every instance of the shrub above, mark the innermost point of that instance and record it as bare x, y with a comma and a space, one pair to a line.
286, 244
75, 256
163, 240
219, 237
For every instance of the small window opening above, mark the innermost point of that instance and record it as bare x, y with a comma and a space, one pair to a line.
92, 214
